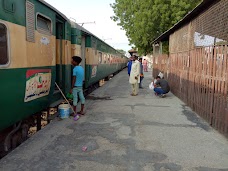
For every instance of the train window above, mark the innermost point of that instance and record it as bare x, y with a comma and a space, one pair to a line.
4, 60
94, 45
100, 57
9, 6
108, 58
105, 58
44, 24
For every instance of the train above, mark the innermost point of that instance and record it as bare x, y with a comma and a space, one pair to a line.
37, 43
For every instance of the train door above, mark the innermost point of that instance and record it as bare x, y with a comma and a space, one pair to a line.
83, 43
59, 53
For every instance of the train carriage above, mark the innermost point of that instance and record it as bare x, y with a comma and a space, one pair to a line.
36, 45
98, 58
34, 40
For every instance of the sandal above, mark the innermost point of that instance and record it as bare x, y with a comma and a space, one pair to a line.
76, 117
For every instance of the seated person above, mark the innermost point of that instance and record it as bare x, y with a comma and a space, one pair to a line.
161, 87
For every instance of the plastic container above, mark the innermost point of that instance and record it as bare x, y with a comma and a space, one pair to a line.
70, 96
64, 111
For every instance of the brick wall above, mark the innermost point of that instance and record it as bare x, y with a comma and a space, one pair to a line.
209, 28
197, 66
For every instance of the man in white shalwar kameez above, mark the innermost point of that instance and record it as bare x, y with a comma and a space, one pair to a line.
134, 79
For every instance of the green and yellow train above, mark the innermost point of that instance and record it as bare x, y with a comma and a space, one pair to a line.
36, 45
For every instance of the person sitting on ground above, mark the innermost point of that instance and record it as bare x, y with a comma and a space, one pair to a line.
161, 87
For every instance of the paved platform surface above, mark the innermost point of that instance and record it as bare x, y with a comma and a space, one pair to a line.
121, 132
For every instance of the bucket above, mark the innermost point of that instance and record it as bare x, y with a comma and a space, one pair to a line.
64, 111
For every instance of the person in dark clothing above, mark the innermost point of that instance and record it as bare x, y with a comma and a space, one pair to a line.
161, 87
129, 64
141, 73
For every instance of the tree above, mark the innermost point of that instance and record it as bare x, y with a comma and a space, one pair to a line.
145, 20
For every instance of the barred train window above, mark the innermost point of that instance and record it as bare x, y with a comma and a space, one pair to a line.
44, 24
3, 45
100, 57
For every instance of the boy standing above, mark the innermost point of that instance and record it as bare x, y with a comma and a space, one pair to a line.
77, 85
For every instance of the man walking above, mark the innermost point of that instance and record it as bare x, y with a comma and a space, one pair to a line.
134, 79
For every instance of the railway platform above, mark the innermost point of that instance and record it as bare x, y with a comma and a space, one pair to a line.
121, 132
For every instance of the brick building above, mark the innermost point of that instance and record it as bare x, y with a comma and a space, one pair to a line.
197, 63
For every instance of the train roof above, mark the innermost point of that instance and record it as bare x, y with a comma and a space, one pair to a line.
54, 9
75, 25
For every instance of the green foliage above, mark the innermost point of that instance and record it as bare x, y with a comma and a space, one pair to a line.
145, 20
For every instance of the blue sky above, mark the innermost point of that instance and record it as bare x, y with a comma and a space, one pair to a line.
98, 11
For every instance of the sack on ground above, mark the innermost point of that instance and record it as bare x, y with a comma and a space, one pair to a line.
151, 86
155, 80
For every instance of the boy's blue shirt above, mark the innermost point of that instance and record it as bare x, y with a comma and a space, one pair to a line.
78, 72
